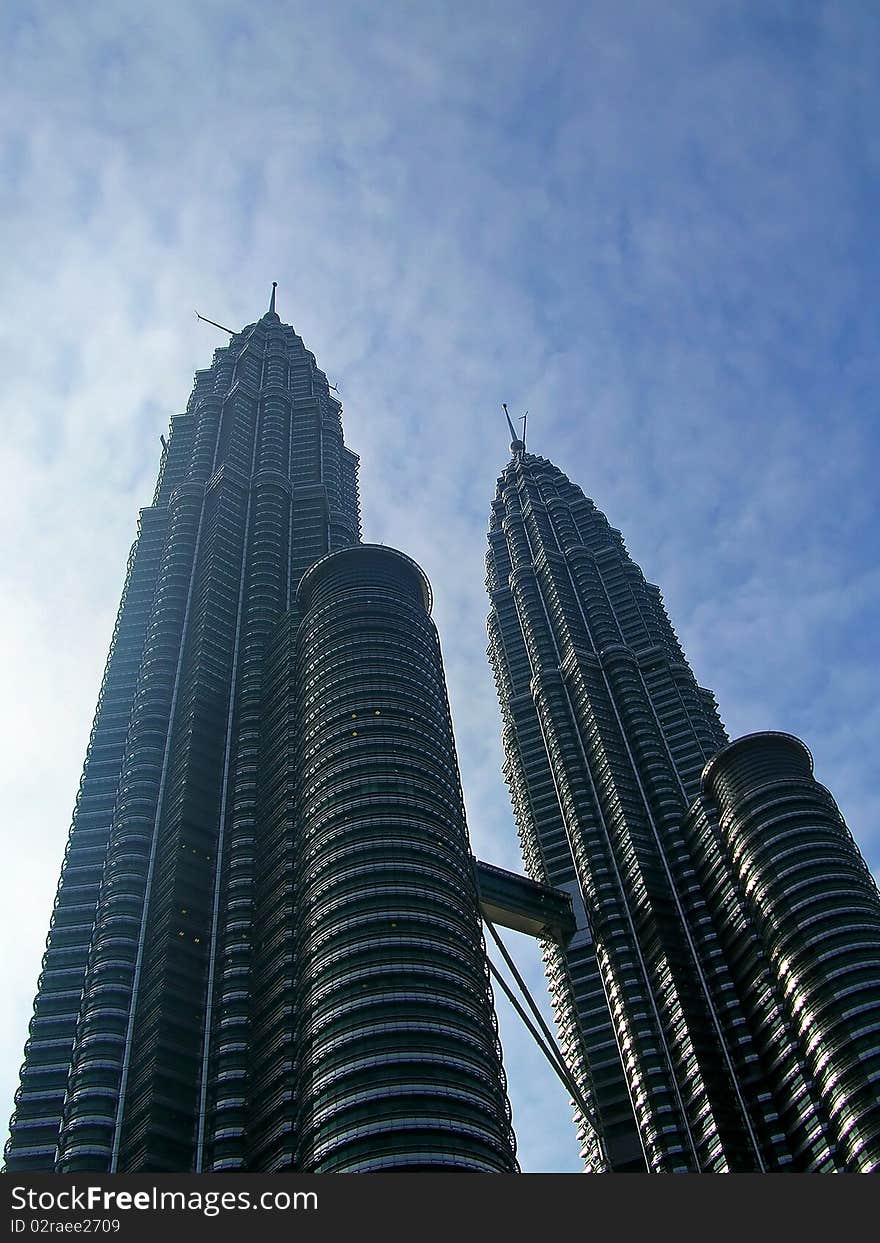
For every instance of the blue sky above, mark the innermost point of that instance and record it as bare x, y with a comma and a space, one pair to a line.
653, 225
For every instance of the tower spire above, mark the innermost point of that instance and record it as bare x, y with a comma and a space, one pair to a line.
272, 299
516, 445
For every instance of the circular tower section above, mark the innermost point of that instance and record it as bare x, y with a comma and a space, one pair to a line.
399, 1065
818, 910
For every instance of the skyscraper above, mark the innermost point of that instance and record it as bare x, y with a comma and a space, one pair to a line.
395, 1041
720, 1003
189, 912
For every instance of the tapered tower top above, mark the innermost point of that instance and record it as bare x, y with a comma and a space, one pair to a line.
272, 310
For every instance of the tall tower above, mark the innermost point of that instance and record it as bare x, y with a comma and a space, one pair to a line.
163, 1034
694, 1007
148, 942
399, 1065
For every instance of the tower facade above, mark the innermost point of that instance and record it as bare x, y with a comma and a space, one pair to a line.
163, 1035
692, 1000
398, 1059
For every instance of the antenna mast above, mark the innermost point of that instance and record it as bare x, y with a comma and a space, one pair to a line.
516, 444
214, 324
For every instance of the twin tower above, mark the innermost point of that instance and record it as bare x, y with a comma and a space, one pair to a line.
266, 950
